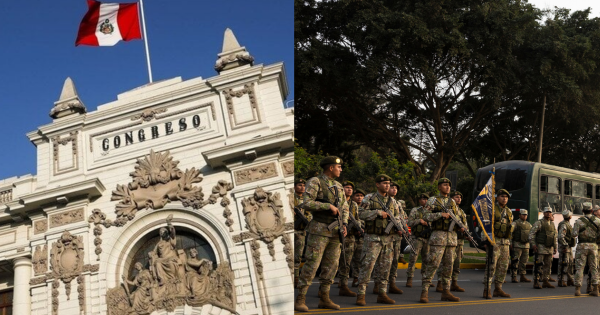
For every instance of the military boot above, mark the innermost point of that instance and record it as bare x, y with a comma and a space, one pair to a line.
424, 297
325, 302
550, 279
376, 288
439, 287
454, 287
447, 296
401, 260
514, 279
498, 291
561, 282
577, 291
589, 287
300, 304
384, 299
536, 284
487, 293
409, 282
547, 285
394, 289
360, 300
345, 291
524, 279
594, 291
355, 282
570, 282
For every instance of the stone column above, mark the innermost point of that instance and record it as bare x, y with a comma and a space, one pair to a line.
22, 292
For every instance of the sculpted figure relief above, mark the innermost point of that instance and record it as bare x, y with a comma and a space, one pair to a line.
141, 297
166, 263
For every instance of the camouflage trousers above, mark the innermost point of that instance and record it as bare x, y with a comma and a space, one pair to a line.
458, 256
422, 248
565, 261
356, 258
437, 255
372, 249
498, 265
393, 272
323, 251
522, 255
547, 268
299, 242
344, 269
586, 253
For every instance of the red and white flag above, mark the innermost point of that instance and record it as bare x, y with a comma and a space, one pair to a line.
105, 24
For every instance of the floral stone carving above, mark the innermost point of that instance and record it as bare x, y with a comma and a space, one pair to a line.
173, 279
40, 260
157, 181
66, 259
264, 217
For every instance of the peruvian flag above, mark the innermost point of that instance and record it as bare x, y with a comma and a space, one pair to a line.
105, 24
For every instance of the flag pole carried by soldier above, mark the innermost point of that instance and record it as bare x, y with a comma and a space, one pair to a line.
420, 231
543, 238
520, 247
442, 242
397, 248
375, 211
565, 256
586, 230
457, 196
354, 228
301, 220
323, 245
358, 197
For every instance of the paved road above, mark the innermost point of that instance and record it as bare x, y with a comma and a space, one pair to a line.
524, 299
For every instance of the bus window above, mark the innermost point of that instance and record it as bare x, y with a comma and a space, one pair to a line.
597, 198
576, 193
550, 193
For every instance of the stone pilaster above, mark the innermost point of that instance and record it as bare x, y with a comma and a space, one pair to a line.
22, 295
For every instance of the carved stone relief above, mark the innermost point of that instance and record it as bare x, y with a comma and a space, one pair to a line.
255, 173
288, 250
220, 190
40, 260
148, 114
66, 217
40, 226
57, 142
173, 279
98, 218
5, 196
157, 181
264, 217
230, 94
288, 168
255, 246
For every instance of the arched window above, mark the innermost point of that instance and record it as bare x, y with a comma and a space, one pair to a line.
185, 240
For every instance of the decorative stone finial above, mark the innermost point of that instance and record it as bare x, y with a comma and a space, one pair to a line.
233, 55
68, 102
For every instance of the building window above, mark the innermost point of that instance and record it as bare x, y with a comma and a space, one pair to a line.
550, 193
6, 301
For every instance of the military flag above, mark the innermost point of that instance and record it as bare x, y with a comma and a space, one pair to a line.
483, 206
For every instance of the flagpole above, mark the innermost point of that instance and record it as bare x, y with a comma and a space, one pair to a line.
146, 41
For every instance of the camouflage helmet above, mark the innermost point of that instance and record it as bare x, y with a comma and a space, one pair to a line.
523, 211
547, 209
587, 206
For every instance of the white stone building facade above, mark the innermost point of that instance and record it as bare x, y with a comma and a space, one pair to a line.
191, 179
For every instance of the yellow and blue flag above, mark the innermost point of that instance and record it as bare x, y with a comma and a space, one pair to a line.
483, 206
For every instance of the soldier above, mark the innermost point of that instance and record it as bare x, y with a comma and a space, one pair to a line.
542, 238
586, 230
357, 197
397, 241
420, 234
565, 255
349, 242
300, 229
377, 242
502, 234
442, 242
324, 198
457, 196
520, 246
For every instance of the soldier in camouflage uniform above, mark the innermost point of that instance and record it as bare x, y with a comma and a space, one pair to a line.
502, 234
520, 246
420, 231
357, 197
323, 246
299, 231
442, 242
397, 241
543, 237
457, 196
586, 230
377, 242
349, 242
565, 255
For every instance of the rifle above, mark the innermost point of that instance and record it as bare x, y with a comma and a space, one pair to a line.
458, 222
400, 226
299, 219
355, 224
339, 223
513, 265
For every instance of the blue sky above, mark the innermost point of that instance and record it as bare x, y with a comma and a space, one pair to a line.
37, 54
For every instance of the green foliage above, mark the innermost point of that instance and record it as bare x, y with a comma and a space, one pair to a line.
306, 165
